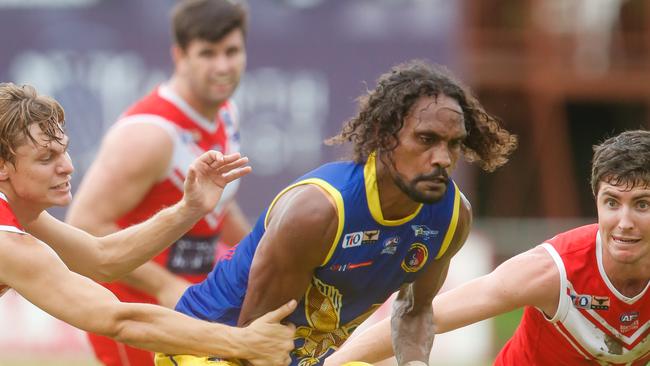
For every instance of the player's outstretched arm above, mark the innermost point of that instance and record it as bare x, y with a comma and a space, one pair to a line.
126, 168
97, 205
412, 316
113, 255
482, 298
33, 270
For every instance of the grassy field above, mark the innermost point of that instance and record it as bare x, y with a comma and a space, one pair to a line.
504, 326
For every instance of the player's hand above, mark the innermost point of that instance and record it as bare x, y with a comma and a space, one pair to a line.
269, 341
207, 177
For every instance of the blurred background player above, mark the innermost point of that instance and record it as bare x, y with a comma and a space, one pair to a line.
35, 174
143, 160
345, 236
585, 290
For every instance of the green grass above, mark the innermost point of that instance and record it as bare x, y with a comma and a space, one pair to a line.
504, 327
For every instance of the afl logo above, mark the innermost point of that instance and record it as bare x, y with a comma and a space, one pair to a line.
415, 258
629, 317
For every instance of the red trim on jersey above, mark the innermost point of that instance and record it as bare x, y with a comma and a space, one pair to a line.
7, 216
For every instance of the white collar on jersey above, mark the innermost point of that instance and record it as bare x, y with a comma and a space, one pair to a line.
168, 94
603, 274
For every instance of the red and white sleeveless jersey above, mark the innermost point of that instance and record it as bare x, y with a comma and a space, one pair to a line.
594, 325
192, 134
8, 222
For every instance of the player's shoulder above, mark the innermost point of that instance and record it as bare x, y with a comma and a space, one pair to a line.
136, 150
534, 267
538, 270
22, 257
465, 209
575, 240
15, 248
306, 203
139, 138
12, 237
153, 102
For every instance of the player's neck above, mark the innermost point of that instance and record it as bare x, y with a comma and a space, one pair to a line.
183, 90
630, 288
395, 204
629, 279
25, 211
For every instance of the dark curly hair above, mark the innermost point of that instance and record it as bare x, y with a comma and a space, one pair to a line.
622, 160
382, 112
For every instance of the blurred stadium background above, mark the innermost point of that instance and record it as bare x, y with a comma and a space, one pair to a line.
562, 74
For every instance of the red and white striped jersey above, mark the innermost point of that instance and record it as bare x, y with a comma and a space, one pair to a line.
9, 223
594, 325
192, 134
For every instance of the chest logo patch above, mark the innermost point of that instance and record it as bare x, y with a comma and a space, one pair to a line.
390, 245
629, 321
416, 257
591, 302
355, 239
423, 231
600, 302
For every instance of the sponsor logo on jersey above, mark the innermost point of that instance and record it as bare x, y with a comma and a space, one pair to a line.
600, 302
423, 231
370, 236
590, 302
581, 301
629, 317
629, 321
630, 327
416, 257
355, 239
390, 245
349, 266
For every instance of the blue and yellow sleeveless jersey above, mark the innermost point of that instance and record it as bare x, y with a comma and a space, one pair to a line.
370, 258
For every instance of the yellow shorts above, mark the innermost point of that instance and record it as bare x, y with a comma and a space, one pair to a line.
162, 359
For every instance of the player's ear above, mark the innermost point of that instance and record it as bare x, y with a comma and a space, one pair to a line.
6, 167
4, 170
177, 53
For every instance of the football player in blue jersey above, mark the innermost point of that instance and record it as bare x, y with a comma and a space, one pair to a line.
344, 237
